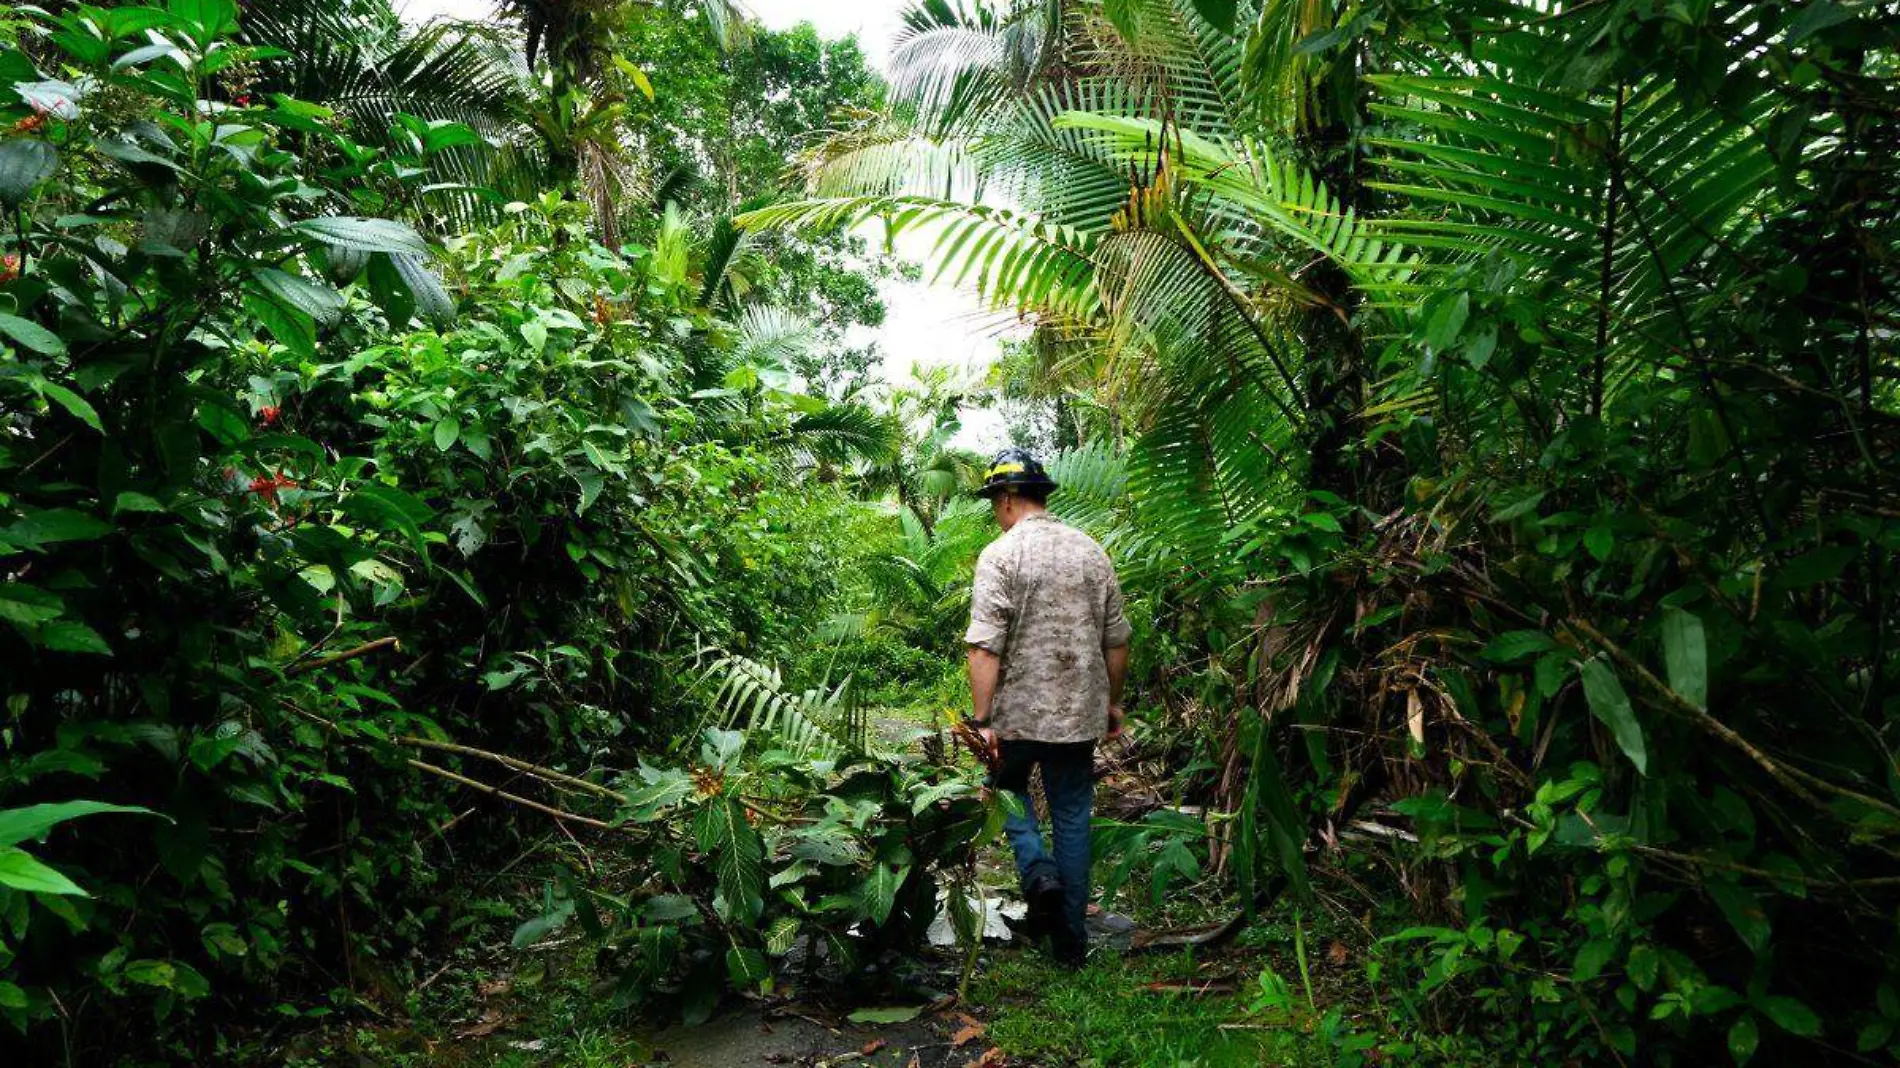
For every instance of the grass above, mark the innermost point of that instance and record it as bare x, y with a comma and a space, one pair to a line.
1112, 1014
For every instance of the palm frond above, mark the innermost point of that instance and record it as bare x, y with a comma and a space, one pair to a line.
751, 697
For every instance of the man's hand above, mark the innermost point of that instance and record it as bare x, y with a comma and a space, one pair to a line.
990, 742
1115, 717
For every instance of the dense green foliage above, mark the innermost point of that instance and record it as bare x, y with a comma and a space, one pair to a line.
296, 502
432, 466
1502, 412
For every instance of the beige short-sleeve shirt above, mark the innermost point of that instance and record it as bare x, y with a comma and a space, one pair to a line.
1047, 602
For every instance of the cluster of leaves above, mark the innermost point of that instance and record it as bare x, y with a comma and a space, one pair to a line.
290, 494
767, 857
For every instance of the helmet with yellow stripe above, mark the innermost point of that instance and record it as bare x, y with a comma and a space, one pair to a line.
1016, 471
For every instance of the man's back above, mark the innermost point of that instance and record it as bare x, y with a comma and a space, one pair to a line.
1047, 602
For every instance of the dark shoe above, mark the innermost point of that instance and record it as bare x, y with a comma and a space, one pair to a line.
1069, 947
1045, 905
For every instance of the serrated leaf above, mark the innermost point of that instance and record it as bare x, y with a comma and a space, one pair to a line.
364, 235
30, 335
1610, 704
1686, 655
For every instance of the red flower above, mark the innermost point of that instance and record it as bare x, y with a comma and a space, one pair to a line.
267, 487
268, 414
243, 100
9, 268
30, 123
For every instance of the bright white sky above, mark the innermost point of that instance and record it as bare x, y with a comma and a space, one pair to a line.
926, 325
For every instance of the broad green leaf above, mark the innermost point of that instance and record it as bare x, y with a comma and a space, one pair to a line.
1592, 959
24, 164
1743, 1037
432, 300
211, 18
318, 301
447, 433
68, 636
660, 791
782, 936
1610, 704
31, 335
292, 328
879, 892
136, 502
738, 857
11, 997
1515, 645
746, 966
53, 526
1601, 542
76, 406
389, 508
31, 823
20, 603
896, 1014
1686, 654
1219, 14
364, 235
1744, 912
1790, 1015
18, 871
1448, 321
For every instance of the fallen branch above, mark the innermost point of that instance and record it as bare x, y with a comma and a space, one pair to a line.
517, 764
343, 657
559, 814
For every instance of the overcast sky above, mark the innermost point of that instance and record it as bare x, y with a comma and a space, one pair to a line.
926, 324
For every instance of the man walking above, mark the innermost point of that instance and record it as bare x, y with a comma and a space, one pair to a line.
1048, 651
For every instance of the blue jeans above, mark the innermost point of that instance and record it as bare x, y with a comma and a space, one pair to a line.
1068, 780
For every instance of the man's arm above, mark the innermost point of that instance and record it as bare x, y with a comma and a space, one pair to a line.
1117, 659
985, 668
1115, 636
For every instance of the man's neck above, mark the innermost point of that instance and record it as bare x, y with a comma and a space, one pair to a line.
1028, 512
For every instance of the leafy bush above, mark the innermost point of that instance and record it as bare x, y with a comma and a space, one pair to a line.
289, 493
